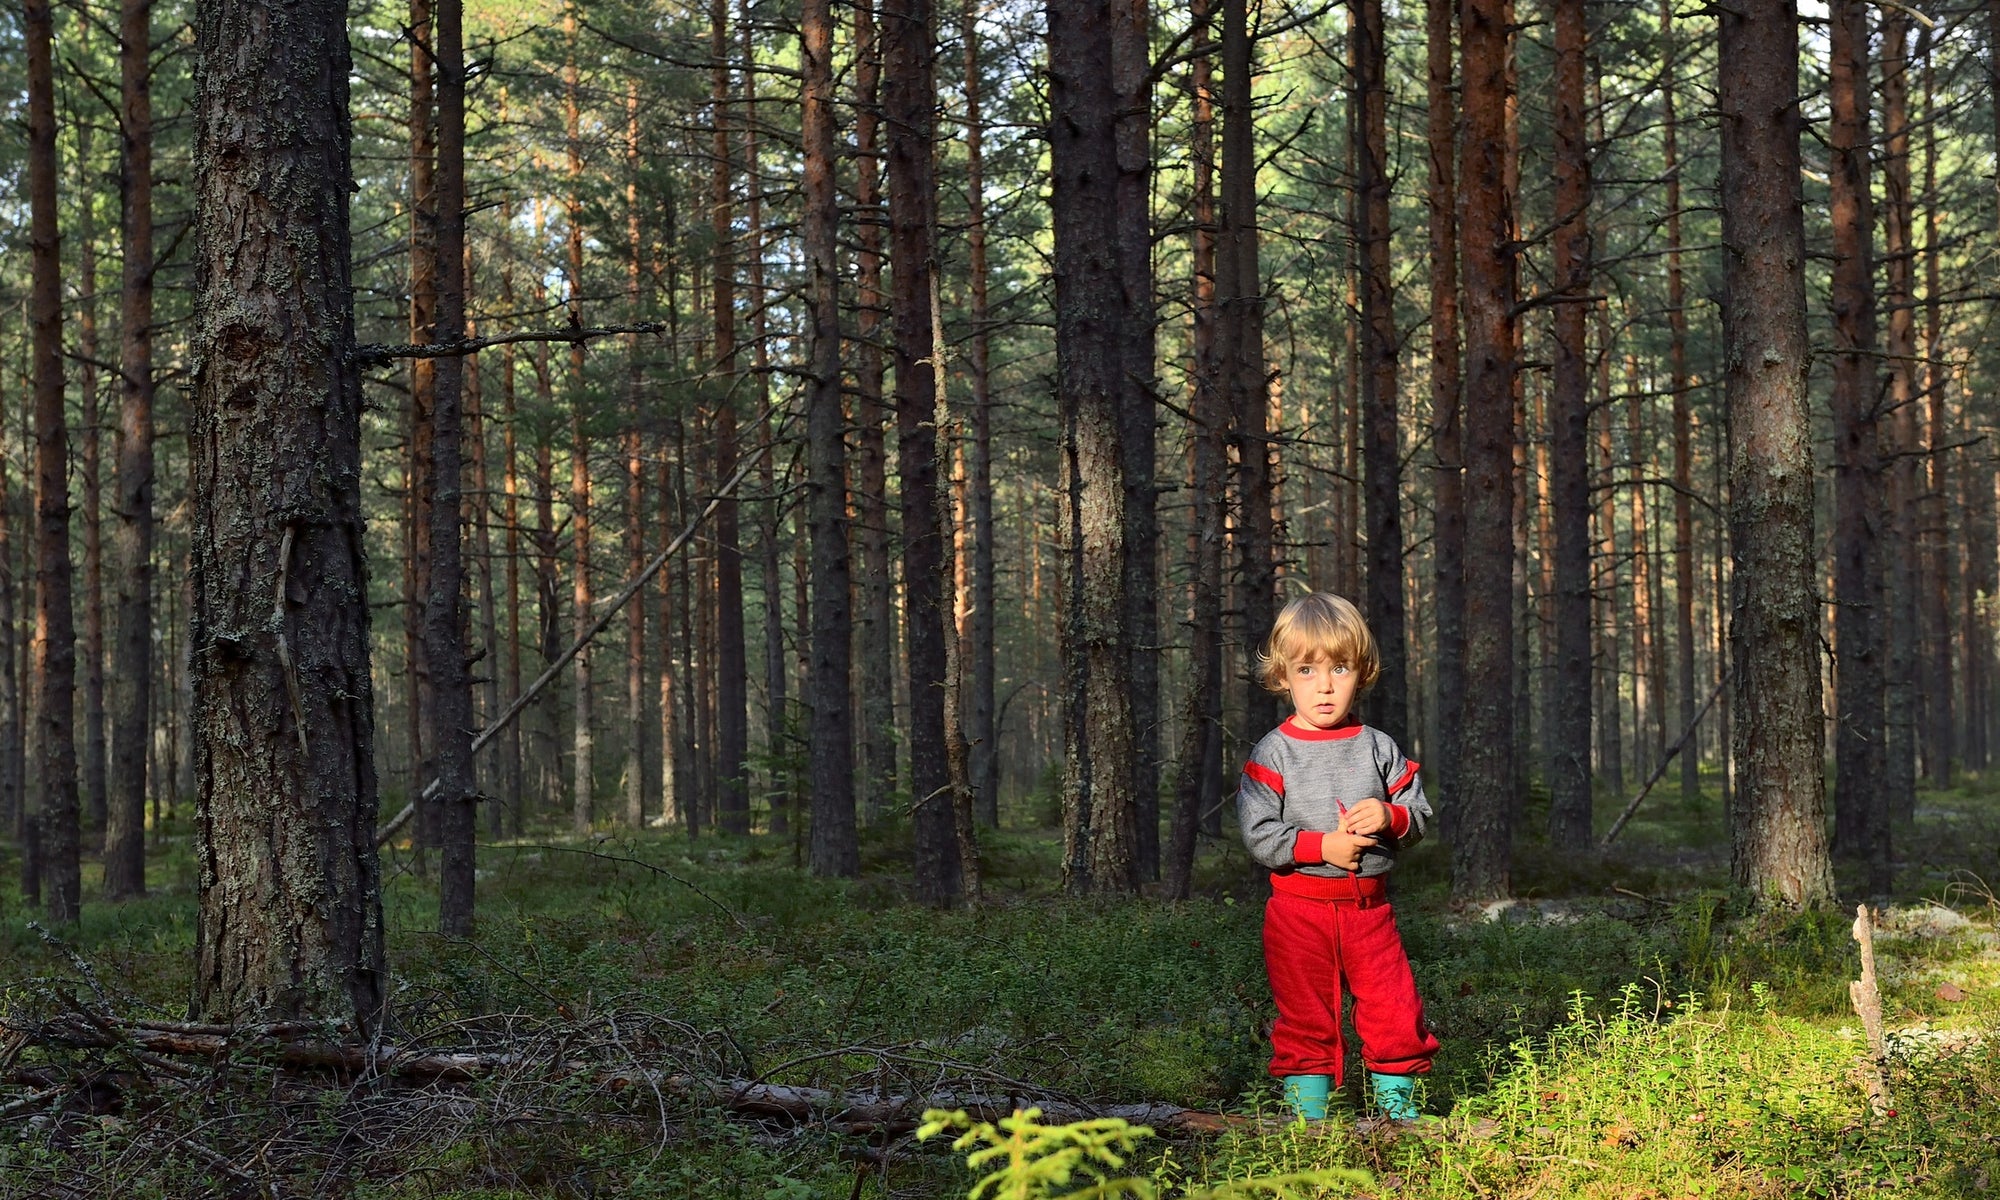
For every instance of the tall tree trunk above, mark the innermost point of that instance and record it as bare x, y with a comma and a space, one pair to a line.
635, 481
1382, 452
876, 627
830, 738
1677, 370
1904, 449
132, 537
1860, 807
770, 580
1569, 451
1645, 632
732, 712
1482, 838
420, 484
1198, 789
54, 672
90, 478
14, 821
1132, 84
909, 101
1239, 302
583, 810
1090, 322
1448, 531
478, 513
1937, 566
1778, 835
450, 712
1610, 654
979, 716
289, 921
511, 766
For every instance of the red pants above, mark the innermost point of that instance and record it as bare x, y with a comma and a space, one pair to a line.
1314, 947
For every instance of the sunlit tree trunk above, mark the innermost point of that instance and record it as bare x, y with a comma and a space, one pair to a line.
1677, 382
583, 809
731, 698
1778, 835
419, 481
979, 722
1448, 499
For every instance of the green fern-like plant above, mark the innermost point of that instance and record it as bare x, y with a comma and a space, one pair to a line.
1019, 1158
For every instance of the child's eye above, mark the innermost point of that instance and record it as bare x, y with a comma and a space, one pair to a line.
1340, 670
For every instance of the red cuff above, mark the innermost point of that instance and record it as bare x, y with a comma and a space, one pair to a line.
1399, 820
1306, 850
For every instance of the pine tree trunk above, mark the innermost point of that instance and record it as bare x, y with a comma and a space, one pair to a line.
1198, 789
1090, 321
583, 809
769, 579
830, 738
449, 735
1131, 82
875, 653
132, 536
54, 654
1482, 835
732, 712
979, 715
1936, 565
1239, 302
90, 479
478, 513
419, 483
1677, 368
1610, 653
512, 769
13, 801
1382, 452
909, 101
1778, 836
1903, 448
1859, 801
634, 774
1448, 530
1569, 450
290, 918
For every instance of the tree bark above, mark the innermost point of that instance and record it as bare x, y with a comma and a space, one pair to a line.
1569, 450
1677, 370
1778, 837
90, 478
1937, 566
909, 100
449, 733
420, 484
1448, 529
1904, 448
1131, 81
1859, 802
1090, 323
979, 716
583, 810
830, 737
1482, 836
1382, 452
732, 711
54, 669
636, 759
1198, 788
1239, 302
876, 628
132, 536
289, 919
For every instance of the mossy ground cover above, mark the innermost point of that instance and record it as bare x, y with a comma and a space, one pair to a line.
1622, 1030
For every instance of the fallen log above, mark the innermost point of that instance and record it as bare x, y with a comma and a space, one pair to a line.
855, 1113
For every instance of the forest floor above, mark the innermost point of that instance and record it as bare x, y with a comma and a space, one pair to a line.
1618, 1031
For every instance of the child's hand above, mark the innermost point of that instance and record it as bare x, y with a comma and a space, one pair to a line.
1343, 849
1365, 816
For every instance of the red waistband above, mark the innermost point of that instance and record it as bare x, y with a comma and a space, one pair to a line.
1361, 891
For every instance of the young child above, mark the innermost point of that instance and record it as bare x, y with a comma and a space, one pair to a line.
1327, 803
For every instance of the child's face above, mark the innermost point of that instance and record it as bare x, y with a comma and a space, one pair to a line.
1322, 693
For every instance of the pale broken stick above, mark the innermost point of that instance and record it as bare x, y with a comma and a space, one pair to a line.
1868, 1006
548, 675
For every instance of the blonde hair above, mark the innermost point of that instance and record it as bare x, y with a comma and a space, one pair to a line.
1313, 625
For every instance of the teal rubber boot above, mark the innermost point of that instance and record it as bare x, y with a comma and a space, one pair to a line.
1395, 1095
1306, 1096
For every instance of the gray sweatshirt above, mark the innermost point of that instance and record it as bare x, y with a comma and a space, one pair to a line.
1298, 780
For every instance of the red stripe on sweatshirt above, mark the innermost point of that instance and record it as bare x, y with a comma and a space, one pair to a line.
1266, 776
1403, 780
